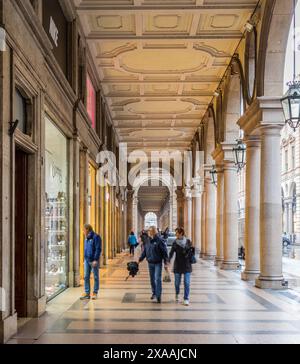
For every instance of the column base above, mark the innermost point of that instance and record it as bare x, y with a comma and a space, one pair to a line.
230, 265
208, 257
249, 275
218, 262
76, 279
36, 307
8, 328
202, 255
271, 283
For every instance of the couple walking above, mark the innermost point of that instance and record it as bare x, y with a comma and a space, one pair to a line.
156, 252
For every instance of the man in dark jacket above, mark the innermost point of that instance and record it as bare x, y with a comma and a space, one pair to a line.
155, 251
92, 252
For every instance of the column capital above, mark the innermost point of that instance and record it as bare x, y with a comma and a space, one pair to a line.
188, 194
264, 112
198, 187
252, 141
224, 154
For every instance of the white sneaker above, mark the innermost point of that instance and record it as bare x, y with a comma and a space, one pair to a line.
186, 303
177, 298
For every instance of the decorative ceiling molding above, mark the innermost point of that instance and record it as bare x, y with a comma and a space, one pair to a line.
160, 62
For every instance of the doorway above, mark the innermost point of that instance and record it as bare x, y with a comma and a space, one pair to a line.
21, 195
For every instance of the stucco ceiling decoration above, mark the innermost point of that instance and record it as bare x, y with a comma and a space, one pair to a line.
160, 61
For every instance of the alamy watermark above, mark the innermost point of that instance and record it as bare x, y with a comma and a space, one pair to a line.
175, 167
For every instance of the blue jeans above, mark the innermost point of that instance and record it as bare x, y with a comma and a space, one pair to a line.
187, 283
88, 268
155, 271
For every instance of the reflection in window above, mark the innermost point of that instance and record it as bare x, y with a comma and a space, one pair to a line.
20, 110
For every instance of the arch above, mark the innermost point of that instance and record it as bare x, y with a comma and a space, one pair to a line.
210, 137
150, 219
276, 26
160, 175
232, 107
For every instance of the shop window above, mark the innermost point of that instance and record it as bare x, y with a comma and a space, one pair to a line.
91, 101
81, 73
56, 214
56, 27
21, 111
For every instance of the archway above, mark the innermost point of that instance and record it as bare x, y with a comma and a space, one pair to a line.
158, 177
150, 220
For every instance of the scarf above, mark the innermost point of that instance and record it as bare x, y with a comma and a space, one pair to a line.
181, 242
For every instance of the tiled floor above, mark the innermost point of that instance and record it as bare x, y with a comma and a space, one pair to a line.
223, 310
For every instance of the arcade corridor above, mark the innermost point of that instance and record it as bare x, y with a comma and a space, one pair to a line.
122, 115
223, 310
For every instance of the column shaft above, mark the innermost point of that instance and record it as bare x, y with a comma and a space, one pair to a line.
219, 232
203, 224
210, 221
189, 205
252, 219
270, 210
230, 218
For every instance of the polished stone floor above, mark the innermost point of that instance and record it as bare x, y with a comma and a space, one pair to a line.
223, 310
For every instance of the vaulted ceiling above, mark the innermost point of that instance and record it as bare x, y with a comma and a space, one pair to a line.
160, 61
153, 199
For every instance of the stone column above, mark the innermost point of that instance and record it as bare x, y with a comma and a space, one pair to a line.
290, 218
180, 207
135, 214
203, 223
230, 211
210, 220
252, 219
265, 118
189, 213
220, 228
270, 210
285, 217
197, 196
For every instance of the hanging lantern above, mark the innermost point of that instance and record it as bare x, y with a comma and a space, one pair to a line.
291, 105
213, 172
240, 155
291, 100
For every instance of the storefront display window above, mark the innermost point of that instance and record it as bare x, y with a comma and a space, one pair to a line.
56, 214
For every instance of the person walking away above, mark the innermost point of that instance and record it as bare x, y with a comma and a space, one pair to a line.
132, 241
182, 248
92, 253
156, 252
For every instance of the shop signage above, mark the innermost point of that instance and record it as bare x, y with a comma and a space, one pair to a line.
56, 27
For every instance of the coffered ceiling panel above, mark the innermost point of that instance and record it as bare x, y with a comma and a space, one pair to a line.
160, 61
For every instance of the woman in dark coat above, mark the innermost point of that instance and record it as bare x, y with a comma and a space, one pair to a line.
182, 248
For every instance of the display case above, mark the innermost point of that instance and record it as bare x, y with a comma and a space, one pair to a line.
56, 211
56, 236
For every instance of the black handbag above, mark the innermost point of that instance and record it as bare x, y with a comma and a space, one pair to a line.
192, 255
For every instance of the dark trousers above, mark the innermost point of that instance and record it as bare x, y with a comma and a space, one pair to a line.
131, 249
155, 271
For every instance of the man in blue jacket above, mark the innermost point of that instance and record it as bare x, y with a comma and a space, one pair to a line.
92, 253
155, 251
